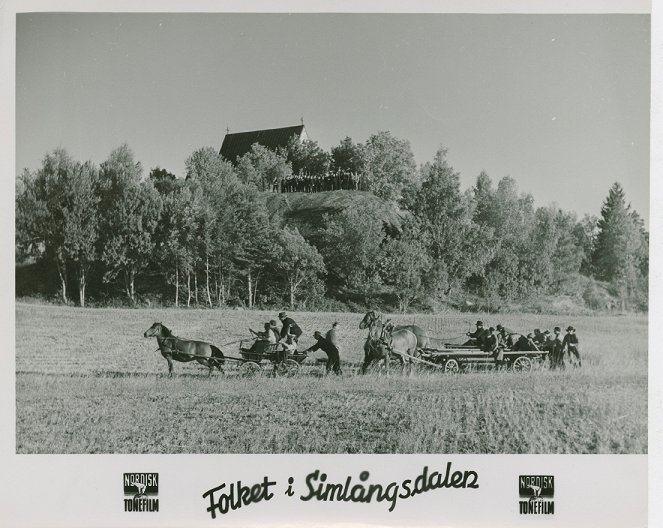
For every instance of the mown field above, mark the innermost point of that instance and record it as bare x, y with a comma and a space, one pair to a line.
88, 382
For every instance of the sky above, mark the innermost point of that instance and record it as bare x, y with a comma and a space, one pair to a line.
558, 102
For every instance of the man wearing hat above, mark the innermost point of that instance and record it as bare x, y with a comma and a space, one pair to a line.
289, 327
557, 351
333, 358
478, 337
571, 343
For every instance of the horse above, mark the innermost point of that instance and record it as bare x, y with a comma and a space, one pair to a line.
373, 321
184, 350
392, 342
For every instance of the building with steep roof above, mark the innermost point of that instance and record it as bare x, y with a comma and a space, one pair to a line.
236, 145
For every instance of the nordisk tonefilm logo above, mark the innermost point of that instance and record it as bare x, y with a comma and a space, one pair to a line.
140, 492
536, 494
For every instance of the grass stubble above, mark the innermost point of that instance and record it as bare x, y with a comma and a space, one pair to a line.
88, 382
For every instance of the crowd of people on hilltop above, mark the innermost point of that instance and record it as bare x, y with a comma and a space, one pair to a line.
497, 339
287, 337
311, 183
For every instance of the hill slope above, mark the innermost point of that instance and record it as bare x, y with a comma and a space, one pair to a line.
309, 208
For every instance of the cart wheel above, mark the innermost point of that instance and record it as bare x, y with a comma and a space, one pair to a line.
287, 368
249, 369
451, 367
522, 364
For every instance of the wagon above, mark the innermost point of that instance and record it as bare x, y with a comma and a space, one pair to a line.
263, 353
452, 358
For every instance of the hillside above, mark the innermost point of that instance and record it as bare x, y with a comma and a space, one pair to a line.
309, 208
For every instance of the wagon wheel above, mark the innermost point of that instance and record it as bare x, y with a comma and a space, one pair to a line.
451, 367
249, 369
287, 368
522, 364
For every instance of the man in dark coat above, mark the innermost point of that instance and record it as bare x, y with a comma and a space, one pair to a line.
557, 350
333, 358
494, 345
571, 343
477, 337
331, 334
289, 327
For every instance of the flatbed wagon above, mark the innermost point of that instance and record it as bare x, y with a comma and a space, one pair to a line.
454, 358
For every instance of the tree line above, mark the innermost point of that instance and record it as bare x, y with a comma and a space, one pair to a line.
210, 238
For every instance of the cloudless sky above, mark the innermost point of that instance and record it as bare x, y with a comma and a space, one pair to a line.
559, 102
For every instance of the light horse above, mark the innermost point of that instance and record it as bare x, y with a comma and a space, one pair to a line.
373, 321
184, 350
385, 341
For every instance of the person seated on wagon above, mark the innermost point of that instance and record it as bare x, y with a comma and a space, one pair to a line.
539, 337
508, 336
288, 348
274, 328
526, 344
478, 337
263, 338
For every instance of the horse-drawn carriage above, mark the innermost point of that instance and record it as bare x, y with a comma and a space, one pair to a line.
255, 354
454, 358
413, 346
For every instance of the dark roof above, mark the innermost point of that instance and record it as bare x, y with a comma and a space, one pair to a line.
236, 145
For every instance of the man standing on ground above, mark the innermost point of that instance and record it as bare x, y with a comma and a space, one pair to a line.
331, 334
571, 343
333, 359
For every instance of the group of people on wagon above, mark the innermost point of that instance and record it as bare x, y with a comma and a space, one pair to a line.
497, 339
288, 337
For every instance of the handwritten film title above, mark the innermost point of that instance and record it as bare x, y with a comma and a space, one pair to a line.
233, 496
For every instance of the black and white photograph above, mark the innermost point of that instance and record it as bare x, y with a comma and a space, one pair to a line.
310, 232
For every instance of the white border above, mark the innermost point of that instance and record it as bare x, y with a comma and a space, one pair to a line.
12, 464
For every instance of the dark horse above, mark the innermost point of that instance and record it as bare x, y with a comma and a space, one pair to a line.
184, 350
373, 321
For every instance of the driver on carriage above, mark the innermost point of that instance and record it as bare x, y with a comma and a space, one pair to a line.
478, 337
267, 337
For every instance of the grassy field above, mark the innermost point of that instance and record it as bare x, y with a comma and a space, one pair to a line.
88, 382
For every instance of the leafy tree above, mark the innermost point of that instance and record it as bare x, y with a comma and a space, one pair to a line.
213, 173
263, 168
297, 261
164, 182
306, 157
251, 242
621, 247
348, 157
56, 216
350, 243
388, 165
404, 262
130, 212
445, 219
81, 223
